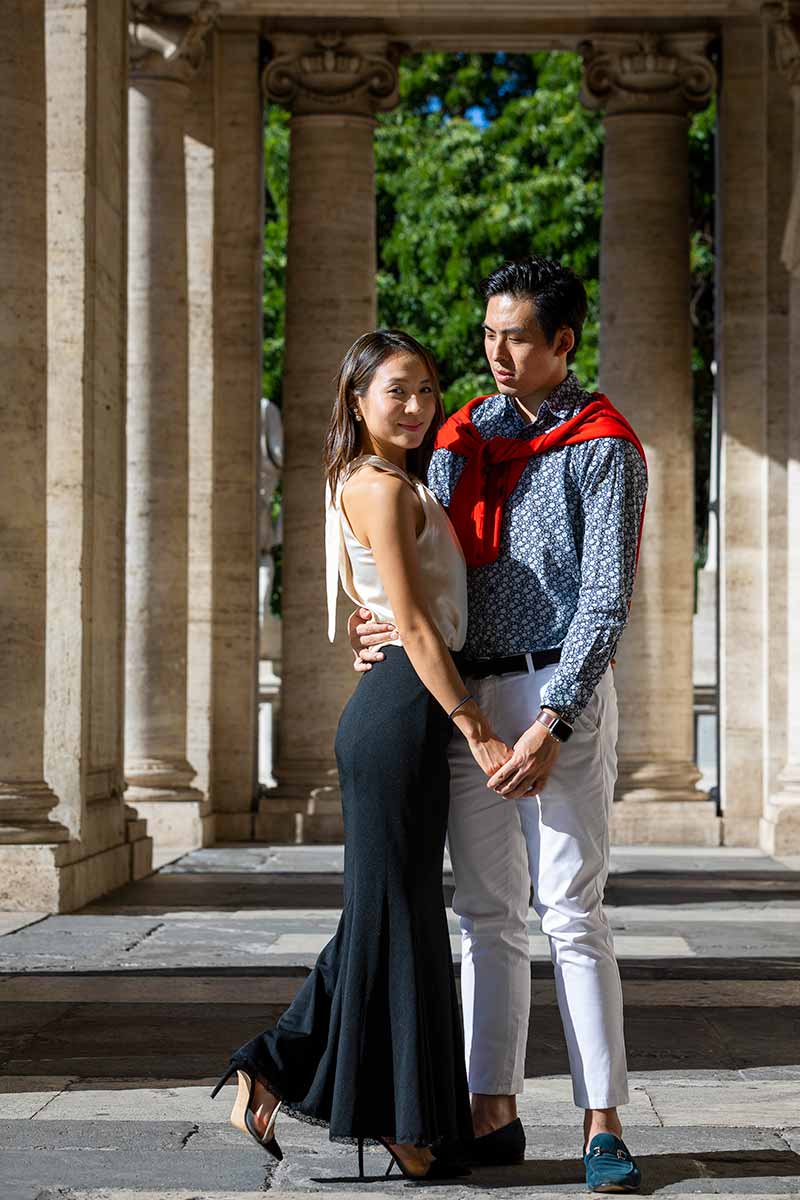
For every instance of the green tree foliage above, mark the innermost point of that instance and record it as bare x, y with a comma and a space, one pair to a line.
489, 157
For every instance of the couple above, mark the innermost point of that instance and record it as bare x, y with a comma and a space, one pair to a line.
486, 710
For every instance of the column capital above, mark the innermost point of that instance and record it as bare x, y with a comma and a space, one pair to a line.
332, 73
647, 72
168, 48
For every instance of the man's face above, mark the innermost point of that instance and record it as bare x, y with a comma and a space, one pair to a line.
517, 351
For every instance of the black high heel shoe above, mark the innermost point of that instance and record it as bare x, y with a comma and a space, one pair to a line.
437, 1170
242, 1113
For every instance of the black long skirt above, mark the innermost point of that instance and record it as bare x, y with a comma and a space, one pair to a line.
372, 1044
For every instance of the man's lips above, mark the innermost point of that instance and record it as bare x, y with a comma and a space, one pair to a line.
504, 375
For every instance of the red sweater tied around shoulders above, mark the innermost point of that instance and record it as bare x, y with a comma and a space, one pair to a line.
494, 467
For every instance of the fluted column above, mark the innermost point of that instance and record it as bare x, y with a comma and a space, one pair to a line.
26, 800
780, 826
332, 86
648, 85
164, 57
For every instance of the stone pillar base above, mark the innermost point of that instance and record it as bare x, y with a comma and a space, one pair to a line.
57, 879
293, 815
233, 827
779, 829
673, 823
740, 831
174, 824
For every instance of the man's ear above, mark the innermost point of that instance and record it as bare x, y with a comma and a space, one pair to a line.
565, 340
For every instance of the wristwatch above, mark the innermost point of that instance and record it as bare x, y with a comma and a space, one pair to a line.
559, 729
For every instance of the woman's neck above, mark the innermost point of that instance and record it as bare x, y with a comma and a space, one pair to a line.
396, 455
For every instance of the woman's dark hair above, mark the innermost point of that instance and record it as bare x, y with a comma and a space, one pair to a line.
367, 353
558, 295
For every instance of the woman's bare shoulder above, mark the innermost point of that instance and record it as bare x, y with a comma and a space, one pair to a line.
371, 485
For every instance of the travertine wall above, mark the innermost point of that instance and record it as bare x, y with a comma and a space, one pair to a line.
778, 183
199, 155
742, 378
85, 365
237, 299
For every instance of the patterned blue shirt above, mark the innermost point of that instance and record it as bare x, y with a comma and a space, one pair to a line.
564, 574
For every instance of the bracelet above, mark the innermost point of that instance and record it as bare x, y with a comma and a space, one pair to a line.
458, 706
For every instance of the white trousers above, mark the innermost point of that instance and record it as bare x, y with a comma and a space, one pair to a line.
557, 842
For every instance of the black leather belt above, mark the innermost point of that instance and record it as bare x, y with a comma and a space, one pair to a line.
479, 668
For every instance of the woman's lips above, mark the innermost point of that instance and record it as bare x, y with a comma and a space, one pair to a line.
413, 428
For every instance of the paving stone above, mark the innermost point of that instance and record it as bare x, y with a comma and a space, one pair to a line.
96, 1135
775, 1042
131, 1100
155, 1169
10, 922
768, 1103
156, 1036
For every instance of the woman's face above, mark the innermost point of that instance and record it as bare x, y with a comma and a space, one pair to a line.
399, 404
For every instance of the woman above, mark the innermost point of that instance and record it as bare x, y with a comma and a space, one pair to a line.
372, 1044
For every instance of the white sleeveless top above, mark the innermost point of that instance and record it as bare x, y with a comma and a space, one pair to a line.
441, 559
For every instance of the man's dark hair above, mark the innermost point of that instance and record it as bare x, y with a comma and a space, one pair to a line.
558, 295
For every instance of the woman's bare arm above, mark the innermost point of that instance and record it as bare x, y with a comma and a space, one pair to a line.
384, 514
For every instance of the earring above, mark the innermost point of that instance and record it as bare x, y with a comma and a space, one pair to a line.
356, 414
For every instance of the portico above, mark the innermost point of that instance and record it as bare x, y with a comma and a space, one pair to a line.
132, 331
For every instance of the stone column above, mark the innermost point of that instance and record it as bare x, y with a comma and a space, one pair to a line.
165, 55
26, 800
333, 86
780, 825
750, 393
648, 85
238, 351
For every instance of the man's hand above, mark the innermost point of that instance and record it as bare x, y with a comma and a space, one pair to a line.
528, 769
364, 634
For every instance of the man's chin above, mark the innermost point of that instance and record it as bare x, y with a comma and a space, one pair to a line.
506, 389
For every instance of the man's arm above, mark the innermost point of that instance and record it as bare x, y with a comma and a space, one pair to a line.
613, 489
444, 473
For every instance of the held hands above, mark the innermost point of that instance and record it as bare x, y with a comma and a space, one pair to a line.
527, 770
488, 750
364, 634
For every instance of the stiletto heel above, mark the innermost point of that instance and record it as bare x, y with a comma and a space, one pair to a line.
223, 1081
437, 1170
242, 1114
361, 1174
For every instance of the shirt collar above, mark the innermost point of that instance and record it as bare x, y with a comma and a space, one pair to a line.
565, 398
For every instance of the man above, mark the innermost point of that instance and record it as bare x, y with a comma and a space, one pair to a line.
545, 484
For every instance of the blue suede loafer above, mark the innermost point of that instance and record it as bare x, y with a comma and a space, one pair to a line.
609, 1165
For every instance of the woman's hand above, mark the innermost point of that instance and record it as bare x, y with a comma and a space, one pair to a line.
489, 751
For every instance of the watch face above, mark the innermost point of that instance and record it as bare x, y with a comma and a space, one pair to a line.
562, 730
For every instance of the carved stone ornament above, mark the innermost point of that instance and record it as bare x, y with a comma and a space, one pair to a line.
783, 18
165, 47
330, 73
647, 72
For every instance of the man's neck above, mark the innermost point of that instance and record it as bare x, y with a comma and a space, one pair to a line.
528, 406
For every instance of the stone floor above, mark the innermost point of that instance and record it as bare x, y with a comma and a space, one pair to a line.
115, 1021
